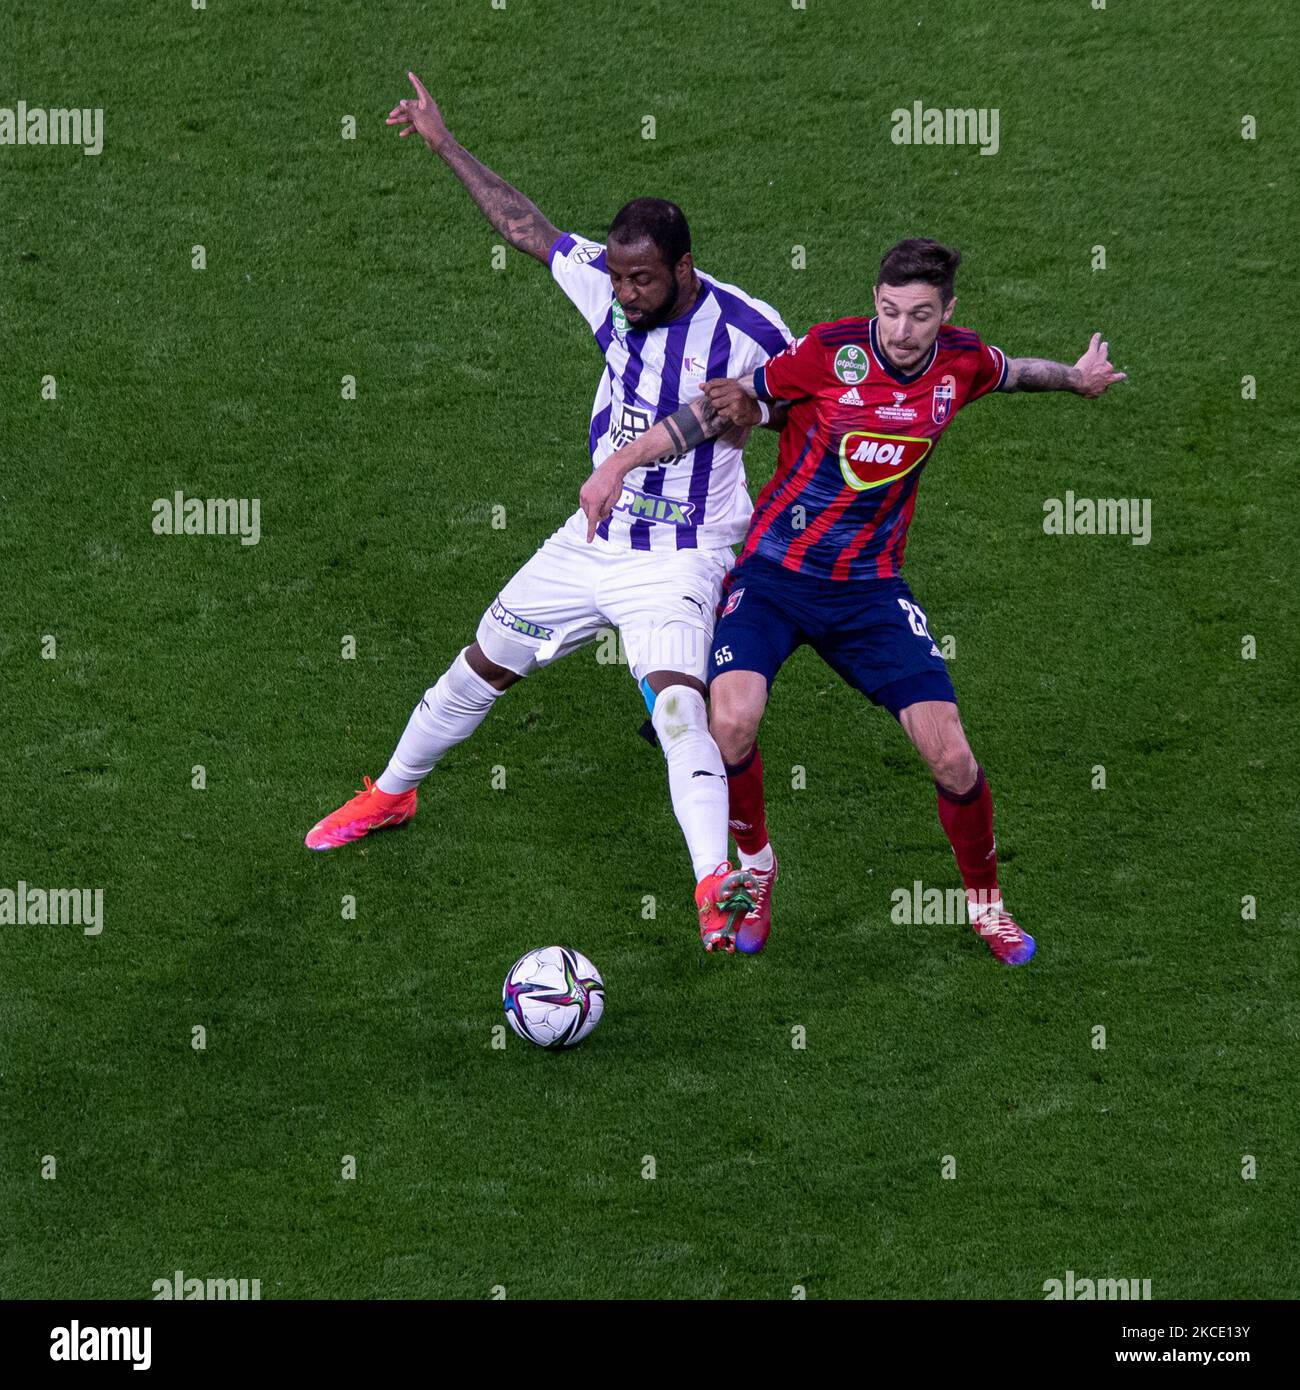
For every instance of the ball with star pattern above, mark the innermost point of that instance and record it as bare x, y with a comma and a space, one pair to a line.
553, 997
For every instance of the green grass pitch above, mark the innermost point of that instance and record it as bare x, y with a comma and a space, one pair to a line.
326, 257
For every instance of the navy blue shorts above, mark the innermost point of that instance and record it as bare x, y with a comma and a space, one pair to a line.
872, 632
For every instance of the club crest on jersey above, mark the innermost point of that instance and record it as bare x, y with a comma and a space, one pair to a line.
733, 601
620, 320
851, 364
941, 399
584, 255
870, 460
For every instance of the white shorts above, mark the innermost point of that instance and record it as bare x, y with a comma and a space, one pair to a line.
569, 593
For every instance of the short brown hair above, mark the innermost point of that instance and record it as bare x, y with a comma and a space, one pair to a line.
920, 258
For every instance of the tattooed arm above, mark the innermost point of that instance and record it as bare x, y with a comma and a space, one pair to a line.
1089, 376
669, 438
1038, 374
514, 216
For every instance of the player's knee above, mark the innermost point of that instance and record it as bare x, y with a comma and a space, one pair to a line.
678, 710
499, 677
934, 726
734, 726
952, 764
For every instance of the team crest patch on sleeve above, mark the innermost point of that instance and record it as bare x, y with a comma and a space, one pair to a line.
941, 399
584, 255
733, 601
851, 364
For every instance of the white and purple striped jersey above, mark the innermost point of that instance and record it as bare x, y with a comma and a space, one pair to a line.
700, 499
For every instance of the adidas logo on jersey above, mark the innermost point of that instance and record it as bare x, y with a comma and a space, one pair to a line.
851, 397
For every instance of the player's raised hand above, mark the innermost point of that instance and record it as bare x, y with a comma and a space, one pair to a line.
420, 114
1095, 370
729, 399
599, 493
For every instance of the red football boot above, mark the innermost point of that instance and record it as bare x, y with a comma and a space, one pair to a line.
752, 934
723, 898
1001, 933
369, 810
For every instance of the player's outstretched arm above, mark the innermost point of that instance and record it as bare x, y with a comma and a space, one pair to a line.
669, 438
1090, 376
513, 215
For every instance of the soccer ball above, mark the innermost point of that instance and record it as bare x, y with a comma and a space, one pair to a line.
553, 996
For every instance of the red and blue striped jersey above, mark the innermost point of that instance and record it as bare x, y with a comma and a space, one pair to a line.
858, 435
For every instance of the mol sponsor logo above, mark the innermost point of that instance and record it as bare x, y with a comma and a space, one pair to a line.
870, 460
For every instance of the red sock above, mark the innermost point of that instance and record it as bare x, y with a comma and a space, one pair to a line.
746, 811
967, 821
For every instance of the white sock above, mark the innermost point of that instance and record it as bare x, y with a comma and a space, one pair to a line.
762, 861
696, 778
980, 902
448, 714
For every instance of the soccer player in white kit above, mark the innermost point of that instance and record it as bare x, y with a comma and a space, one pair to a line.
653, 568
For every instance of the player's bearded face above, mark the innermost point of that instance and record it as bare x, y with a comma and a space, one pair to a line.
648, 289
908, 319
651, 317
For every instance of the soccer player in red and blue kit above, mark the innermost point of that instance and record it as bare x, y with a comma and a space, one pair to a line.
868, 399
